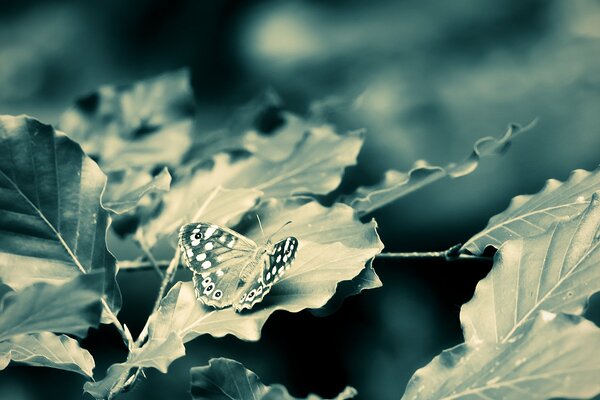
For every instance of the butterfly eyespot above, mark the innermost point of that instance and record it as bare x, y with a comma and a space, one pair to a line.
206, 281
209, 288
198, 236
218, 294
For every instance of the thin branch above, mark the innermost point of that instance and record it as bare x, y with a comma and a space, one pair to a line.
143, 245
451, 254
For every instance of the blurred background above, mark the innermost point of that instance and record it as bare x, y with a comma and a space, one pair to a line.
425, 79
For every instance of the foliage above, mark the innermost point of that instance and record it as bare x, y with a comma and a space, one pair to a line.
523, 330
228, 379
516, 345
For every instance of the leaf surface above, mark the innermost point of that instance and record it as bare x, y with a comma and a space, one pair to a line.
556, 271
532, 214
225, 379
316, 166
516, 346
46, 349
398, 184
68, 308
53, 225
144, 124
325, 257
126, 189
554, 356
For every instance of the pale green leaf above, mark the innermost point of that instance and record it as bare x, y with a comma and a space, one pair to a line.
53, 225
316, 166
46, 349
333, 247
554, 356
68, 308
556, 271
143, 124
532, 214
127, 188
225, 379
157, 353
398, 184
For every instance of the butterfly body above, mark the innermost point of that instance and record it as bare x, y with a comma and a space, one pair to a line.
230, 269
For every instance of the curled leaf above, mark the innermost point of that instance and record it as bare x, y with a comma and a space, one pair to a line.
532, 214
399, 184
223, 378
53, 225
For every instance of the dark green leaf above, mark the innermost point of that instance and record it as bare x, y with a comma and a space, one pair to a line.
46, 349
530, 215
53, 225
68, 308
399, 184
225, 379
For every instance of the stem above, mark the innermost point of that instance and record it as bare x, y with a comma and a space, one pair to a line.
139, 238
115, 321
451, 254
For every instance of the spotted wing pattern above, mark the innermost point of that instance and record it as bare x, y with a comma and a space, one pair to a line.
217, 256
274, 265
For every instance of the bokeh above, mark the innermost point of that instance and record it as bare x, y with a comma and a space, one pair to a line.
425, 79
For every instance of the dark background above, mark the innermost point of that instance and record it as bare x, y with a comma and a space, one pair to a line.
426, 79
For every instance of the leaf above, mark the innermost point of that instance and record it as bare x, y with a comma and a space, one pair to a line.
143, 124
156, 353
260, 127
556, 271
399, 184
46, 349
554, 356
228, 379
315, 167
53, 225
68, 308
529, 215
515, 346
126, 189
325, 258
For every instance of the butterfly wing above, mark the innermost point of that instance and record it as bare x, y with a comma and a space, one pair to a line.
274, 265
217, 256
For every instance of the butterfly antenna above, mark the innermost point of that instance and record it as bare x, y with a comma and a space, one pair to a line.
260, 225
279, 230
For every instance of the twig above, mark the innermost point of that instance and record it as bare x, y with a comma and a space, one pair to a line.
451, 254
143, 245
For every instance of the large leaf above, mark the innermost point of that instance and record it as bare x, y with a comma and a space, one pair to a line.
157, 353
556, 271
53, 225
555, 356
46, 349
127, 188
515, 346
68, 308
529, 215
333, 247
398, 184
316, 167
142, 124
226, 379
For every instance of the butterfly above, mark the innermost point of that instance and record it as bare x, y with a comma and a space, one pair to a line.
230, 269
